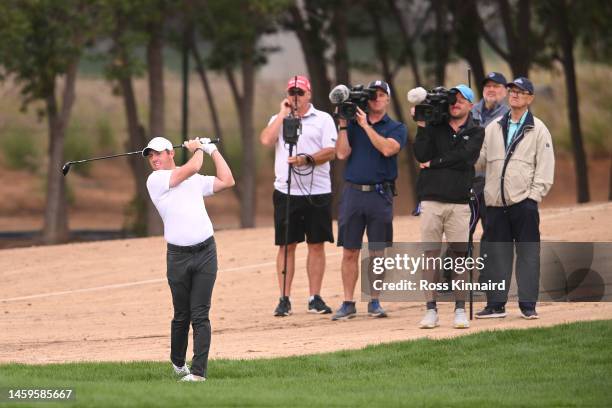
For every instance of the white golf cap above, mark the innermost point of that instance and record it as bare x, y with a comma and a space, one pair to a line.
159, 144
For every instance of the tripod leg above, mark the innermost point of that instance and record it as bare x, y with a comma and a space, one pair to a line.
287, 214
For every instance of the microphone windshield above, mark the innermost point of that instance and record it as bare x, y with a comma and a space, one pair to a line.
417, 95
339, 94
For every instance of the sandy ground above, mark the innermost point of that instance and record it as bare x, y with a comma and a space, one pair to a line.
110, 301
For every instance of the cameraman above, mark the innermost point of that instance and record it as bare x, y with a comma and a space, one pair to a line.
310, 202
447, 153
370, 143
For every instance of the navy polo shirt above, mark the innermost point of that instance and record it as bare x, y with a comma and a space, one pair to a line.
366, 165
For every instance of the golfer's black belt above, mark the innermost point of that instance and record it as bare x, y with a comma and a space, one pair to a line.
192, 248
387, 186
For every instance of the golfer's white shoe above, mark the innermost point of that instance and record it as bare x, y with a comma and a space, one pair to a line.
430, 320
181, 371
461, 320
192, 378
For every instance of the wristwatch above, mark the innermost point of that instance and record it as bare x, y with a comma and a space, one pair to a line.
342, 128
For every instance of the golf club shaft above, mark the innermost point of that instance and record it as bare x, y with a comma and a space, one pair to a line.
124, 154
113, 155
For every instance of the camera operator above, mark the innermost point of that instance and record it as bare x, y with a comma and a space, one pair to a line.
518, 157
447, 152
370, 143
310, 201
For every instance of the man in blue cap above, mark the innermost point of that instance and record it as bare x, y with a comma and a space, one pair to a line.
517, 155
493, 102
490, 107
447, 153
370, 144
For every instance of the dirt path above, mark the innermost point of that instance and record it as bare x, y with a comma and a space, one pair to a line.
110, 301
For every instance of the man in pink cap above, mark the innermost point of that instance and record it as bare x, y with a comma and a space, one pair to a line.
310, 203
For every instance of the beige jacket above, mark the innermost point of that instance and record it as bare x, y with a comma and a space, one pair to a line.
525, 170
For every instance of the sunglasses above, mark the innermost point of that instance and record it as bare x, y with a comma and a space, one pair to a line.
296, 91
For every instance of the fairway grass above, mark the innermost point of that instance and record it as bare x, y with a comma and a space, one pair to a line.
565, 365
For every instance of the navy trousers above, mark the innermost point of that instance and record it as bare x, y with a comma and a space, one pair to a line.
516, 227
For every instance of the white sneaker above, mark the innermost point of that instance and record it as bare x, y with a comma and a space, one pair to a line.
192, 378
181, 371
461, 320
430, 320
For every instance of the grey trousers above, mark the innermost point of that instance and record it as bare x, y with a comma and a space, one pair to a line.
191, 276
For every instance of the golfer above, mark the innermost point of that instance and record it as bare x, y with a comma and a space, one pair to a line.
177, 193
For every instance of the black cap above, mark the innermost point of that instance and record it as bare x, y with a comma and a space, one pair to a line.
495, 77
522, 83
382, 85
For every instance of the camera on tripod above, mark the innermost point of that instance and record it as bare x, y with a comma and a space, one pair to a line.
348, 100
432, 107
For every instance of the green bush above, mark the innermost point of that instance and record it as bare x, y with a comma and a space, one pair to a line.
77, 146
20, 149
105, 135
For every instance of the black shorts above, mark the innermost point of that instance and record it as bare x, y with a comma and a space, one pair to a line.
306, 218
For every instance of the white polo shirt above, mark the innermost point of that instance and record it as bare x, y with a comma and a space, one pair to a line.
182, 209
318, 132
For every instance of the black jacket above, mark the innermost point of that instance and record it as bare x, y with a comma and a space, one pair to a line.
452, 156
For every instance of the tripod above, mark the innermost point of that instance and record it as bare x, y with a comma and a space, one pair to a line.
292, 128
474, 209
287, 214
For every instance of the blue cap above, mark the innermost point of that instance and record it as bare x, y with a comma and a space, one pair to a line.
495, 77
522, 83
466, 92
382, 85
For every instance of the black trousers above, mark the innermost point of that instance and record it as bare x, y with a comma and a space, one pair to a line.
191, 275
516, 227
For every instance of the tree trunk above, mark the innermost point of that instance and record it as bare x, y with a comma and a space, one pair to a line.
517, 39
610, 186
136, 140
442, 41
339, 29
155, 67
468, 31
249, 167
208, 94
383, 56
245, 104
408, 41
56, 218
313, 47
567, 45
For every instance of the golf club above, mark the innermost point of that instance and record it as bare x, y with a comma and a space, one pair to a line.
66, 166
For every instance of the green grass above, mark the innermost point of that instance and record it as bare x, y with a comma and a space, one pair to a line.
566, 365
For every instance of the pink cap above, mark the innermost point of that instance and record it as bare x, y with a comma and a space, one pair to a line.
299, 82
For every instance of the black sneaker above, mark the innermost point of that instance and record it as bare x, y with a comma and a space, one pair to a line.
529, 314
490, 312
283, 308
317, 305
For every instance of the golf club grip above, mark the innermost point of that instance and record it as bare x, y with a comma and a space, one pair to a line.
214, 141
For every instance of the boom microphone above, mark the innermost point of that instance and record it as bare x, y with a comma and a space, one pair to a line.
417, 95
339, 94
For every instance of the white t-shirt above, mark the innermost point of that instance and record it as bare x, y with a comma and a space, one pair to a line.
318, 132
182, 208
